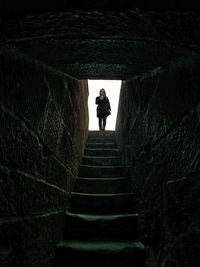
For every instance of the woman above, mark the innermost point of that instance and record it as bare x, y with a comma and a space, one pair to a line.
103, 108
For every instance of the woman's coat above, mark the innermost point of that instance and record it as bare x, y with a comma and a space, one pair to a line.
103, 106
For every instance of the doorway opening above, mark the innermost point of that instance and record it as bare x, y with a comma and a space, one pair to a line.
112, 88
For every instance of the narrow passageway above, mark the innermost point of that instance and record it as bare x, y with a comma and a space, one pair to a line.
102, 224
71, 193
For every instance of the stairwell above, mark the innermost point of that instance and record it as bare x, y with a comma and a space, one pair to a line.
102, 225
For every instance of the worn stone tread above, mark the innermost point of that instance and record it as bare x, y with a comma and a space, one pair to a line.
101, 167
101, 217
101, 160
105, 247
101, 152
102, 203
103, 195
102, 157
105, 185
103, 178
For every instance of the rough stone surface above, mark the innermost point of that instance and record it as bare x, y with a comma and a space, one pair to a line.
110, 43
158, 122
30, 240
182, 220
158, 131
44, 122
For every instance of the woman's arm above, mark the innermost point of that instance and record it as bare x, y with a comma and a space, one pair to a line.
97, 100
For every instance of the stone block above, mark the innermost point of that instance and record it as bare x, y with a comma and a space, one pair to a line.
24, 195
30, 241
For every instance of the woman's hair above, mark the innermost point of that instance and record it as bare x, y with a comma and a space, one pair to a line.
103, 90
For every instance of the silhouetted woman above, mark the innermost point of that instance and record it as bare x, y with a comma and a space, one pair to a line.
103, 108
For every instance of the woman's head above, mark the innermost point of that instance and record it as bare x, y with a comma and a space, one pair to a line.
102, 92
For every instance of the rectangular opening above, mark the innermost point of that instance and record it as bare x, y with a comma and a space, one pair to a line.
112, 89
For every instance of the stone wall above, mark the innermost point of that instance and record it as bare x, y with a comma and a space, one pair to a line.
158, 129
44, 123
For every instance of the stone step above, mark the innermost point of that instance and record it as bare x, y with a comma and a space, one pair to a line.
100, 253
100, 171
101, 152
101, 140
104, 134
101, 145
102, 203
102, 185
101, 227
101, 161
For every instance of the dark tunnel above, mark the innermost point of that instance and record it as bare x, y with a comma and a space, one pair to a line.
47, 56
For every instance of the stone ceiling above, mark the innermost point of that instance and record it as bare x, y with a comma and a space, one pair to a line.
110, 44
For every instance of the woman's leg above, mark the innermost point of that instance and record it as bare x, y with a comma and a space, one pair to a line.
100, 123
104, 122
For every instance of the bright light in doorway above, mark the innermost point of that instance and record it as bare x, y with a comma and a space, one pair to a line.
112, 88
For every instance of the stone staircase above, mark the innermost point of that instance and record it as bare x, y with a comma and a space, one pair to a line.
102, 225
